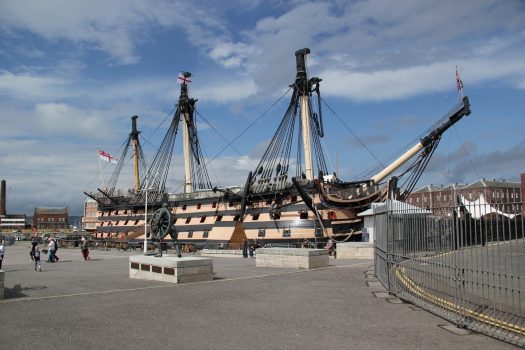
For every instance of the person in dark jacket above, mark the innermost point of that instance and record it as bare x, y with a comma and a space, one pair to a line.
244, 249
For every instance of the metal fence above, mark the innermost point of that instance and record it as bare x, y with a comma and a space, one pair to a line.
464, 263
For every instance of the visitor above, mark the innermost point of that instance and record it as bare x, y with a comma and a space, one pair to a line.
85, 249
244, 249
2, 252
36, 258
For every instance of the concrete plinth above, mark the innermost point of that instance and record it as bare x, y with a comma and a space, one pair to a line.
171, 268
2, 274
355, 250
221, 253
298, 258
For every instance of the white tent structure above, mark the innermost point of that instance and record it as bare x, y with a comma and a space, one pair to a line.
479, 208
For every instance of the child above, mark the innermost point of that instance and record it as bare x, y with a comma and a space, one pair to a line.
36, 258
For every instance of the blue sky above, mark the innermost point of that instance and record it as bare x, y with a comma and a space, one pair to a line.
72, 73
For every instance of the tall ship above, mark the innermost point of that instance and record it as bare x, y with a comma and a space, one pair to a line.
288, 197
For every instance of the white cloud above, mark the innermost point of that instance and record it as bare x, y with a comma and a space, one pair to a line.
226, 90
30, 86
114, 27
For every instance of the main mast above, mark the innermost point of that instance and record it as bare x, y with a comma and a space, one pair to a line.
301, 82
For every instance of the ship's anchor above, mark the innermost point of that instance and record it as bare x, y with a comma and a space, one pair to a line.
161, 226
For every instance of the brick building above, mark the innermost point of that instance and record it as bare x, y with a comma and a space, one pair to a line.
506, 195
50, 219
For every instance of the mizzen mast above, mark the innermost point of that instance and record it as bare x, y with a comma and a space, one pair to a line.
135, 141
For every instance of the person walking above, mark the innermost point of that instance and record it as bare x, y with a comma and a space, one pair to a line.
85, 249
55, 257
244, 249
2, 252
34, 243
36, 258
51, 246
252, 249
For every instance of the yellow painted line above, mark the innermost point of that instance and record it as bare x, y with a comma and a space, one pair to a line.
414, 288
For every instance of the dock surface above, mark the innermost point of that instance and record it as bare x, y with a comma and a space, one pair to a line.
75, 304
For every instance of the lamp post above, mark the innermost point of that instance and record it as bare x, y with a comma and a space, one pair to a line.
146, 216
146, 222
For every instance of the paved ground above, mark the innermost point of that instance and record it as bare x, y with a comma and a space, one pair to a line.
94, 305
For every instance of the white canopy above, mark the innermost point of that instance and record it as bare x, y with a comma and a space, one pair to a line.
479, 207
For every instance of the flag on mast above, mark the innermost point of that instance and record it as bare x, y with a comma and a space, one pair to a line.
459, 83
106, 156
184, 79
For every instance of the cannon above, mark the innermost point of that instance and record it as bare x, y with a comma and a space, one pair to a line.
162, 225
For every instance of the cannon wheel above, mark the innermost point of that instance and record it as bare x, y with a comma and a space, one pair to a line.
161, 223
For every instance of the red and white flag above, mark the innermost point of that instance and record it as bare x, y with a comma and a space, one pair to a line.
107, 157
459, 83
184, 79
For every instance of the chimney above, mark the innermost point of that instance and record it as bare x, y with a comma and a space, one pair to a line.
2, 199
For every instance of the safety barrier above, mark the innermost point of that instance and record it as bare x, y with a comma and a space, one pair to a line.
465, 263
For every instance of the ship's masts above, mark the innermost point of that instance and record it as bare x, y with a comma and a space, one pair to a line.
135, 139
186, 150
305, 125
301, 82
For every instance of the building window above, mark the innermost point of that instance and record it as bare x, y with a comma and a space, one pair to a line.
214, 205
303, 215
190, 234
184, 207
198, 206
269, 202
230, 204
205, 234
318, 232
236, 218
287, 232
294, 198
188, 220
219, 218
262, 232
255, 216
203, 219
